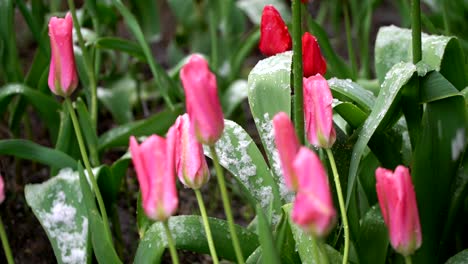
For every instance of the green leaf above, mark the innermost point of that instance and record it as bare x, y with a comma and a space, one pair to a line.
442, 143
118, 98
102, 245
393, 45
45, 105
253, 9
156, 124
373, 238
349, 91
436, 88
188, 234
147, 12
269, 81
460, 258
241, 157
183, 11
58, 205
382, 112
163, 81
285, 243
29, 150
233, 97
123, 45
267, 243
350, 112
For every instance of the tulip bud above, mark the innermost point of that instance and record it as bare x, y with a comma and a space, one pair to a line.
202, 100
274, 34
313, 207
288, 145
318, 112
399, 209
2, 190
312, 58
190, 161
62, 72
154, 165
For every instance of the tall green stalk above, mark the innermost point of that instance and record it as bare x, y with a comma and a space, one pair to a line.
344, 216
170, 242
88, 64
408, 260
85, 158
6, 245
349, 42
226, 205
297, 70
416, 30
206, 225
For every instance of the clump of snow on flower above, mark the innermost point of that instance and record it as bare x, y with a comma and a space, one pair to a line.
58, 214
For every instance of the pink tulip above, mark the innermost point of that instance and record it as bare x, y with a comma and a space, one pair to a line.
274, 34
62, 72
313, 207
191, 166
312, 58
397, 201
202, 100
318, 112
288, 145
2, 190
154, 165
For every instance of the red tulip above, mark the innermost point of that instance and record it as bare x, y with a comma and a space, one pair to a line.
202, 100
274, 34
288, 145
397, 201
154, 165
318, 112
313, 207
62, 72
312, 58
191, 166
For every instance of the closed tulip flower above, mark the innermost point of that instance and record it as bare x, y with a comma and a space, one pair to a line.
288, 145
191, 167
397, 202
202, 100
154, 165
312, 58
274, 34
313, 207
62, 72
318, 112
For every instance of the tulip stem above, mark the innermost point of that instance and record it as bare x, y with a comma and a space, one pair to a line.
206, 225
87, 60
349, 42
6, 245
227, 205
408, 260
85, 158
297, 70
170, 243
344, 217
416, 30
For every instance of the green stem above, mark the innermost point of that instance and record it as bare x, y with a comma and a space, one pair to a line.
89, 65
213, 35
297, 70
344, 217
6, 245
416, 30
85, 158
206, 225
170, 242
227, 205
408, 260
349, 42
